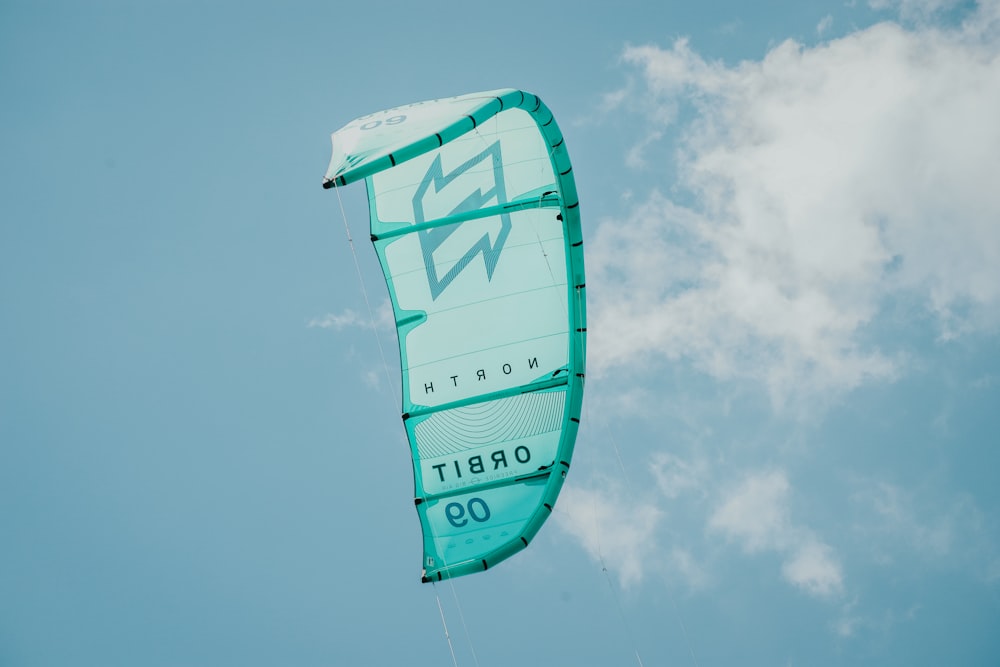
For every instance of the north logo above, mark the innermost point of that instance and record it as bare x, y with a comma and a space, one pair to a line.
482, 185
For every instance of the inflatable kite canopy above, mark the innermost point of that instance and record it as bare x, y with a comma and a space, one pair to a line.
476, 222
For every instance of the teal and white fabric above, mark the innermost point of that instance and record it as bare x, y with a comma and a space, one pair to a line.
475, 219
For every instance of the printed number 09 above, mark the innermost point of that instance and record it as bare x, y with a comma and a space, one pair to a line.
477, 508
372, 124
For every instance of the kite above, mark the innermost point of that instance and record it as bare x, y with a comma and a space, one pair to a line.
475, 220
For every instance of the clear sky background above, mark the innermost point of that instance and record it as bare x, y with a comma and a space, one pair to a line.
790, 441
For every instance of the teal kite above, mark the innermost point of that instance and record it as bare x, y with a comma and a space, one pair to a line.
476, 222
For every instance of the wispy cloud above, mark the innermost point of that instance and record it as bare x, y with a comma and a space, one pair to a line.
830, 182
346, 319
633, 539
380, 331
824, 25
909, 527
611, 528
755, 514
813, 567
675, 476
891, 511
352, 319
915, 9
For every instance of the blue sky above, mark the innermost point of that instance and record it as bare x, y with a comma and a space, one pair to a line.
790, 435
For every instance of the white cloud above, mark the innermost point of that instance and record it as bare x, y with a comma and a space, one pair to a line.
630, 538
813, 567
675, 476
831, 182
846, 625
352, 319
348, 318
380, 332
635, 157
611, 529
914, 9
690, 569
905, 527
824, 25
622, 535
756, 515
893, 511
372, 379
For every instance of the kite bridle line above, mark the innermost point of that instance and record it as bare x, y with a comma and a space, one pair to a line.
364, 292
398, 399
568, 206
604, 567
